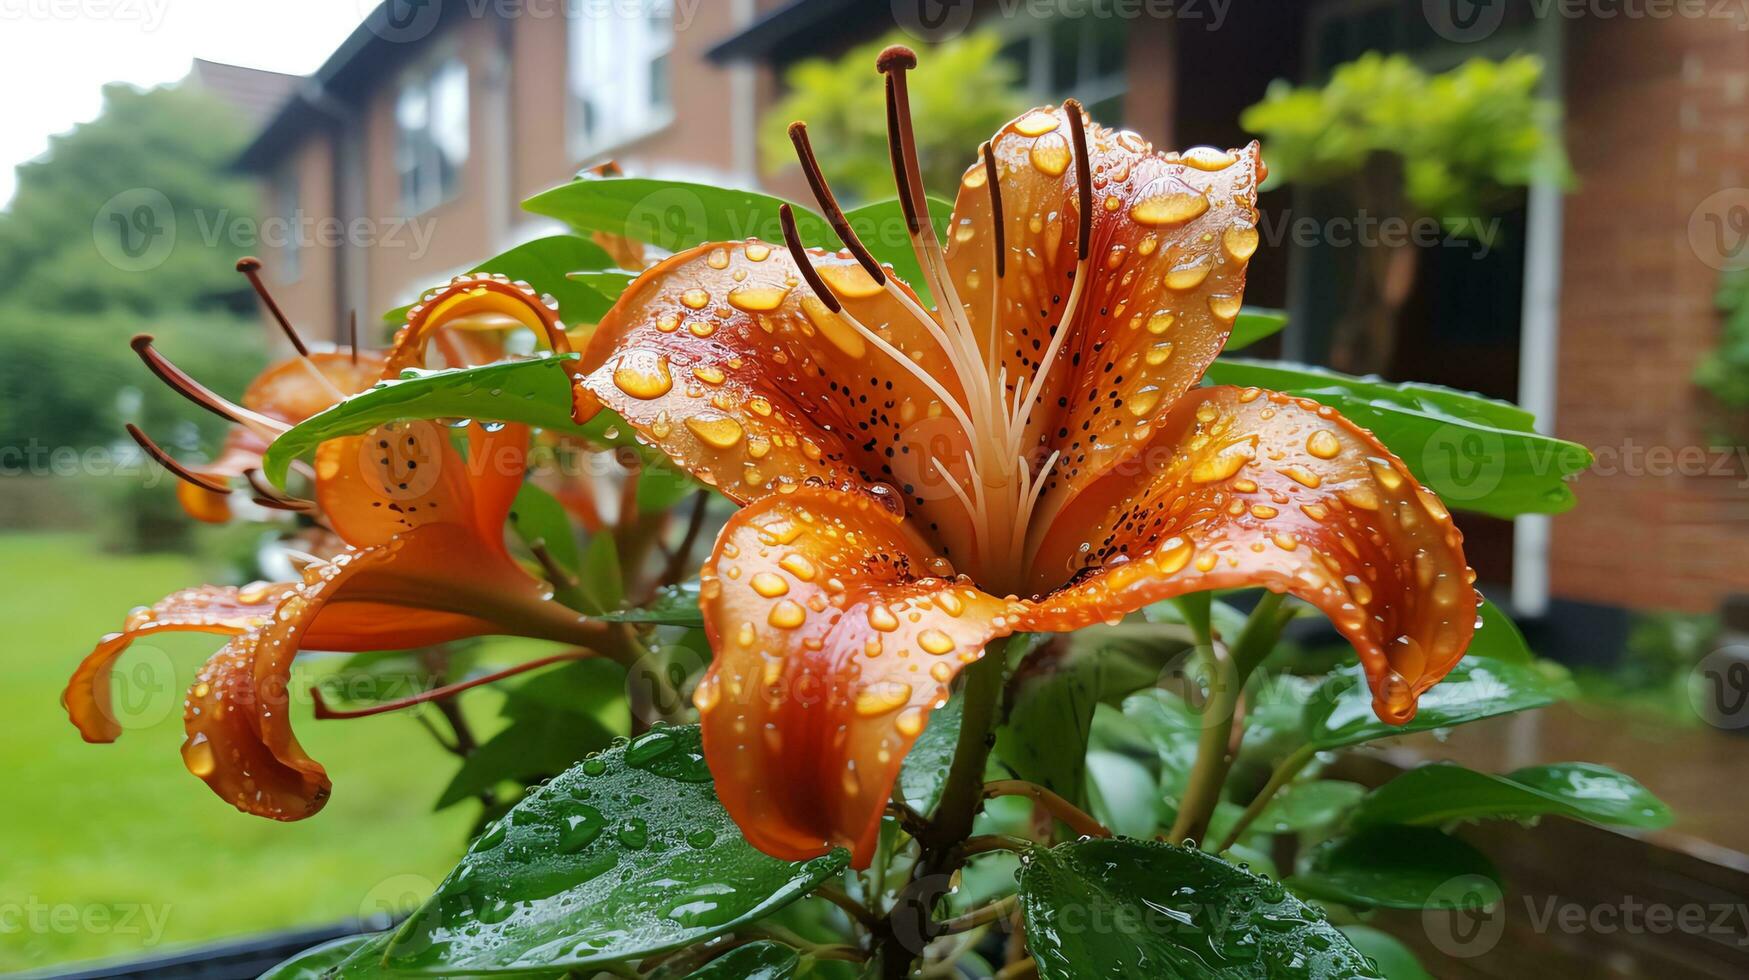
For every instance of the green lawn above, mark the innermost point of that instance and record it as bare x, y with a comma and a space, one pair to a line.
115, 850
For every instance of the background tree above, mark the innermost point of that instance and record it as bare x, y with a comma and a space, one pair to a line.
969, 92
70, 296
1398, 142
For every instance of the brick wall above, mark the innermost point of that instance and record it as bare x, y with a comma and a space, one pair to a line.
1656, 117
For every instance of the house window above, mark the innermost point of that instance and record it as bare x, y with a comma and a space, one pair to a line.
431, 133
1060, 57
621, 57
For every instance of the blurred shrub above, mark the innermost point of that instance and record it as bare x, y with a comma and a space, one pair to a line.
1724, 371
966, 94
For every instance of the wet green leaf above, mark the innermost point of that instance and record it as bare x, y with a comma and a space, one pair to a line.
537, 516
315, 962
1306, 805
1340, 711
674, 605
546, 264
1395, 960
1171, 912
1254, 324
623, 856
672, 214
924, 771
533, 390
1477, 453
1398, 868
764, 960
1442, 792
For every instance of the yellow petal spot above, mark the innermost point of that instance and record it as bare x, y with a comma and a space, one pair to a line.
1225, 306
1169, 208
1222, 464
849, 281
797, 564
769, 585
719, 431
702, 328
1051, 154
1285, 542
1302, 476
695, 299
1189, 275
910, 722
758, 251
935, 641
1159, 354
1144, 401
1363, 498
757, 299
882, 618
950, 603
974, 178
1323, 444
718, 259
1208, 158
787, 615
1173, 555
668, 322
878, 699
1263, 512
709, 374
1036, 123
758, 446
1239, 242
1160, 322
644, 377
1385, 473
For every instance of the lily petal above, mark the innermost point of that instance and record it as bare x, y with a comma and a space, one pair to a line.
1241, 487
222, 609
404, 475
836, 632
1170, 236
725, 358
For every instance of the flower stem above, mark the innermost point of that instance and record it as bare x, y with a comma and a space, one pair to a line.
965, 777
1077, 819
1283, 774
1228, 671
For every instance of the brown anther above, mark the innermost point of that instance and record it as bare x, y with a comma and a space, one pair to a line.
996, 222
896, 57
169, 462
896, 125
352, 335
1083, 176
250, 267
185, 385
798, 135
269, 491
286, 505
793, 240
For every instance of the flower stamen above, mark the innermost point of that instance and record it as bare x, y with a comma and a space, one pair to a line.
250, 267
183, 384
169, 462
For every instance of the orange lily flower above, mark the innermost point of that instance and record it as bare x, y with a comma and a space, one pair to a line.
426, 564
1033, 455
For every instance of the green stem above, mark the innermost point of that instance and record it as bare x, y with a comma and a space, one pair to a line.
1283, 774
964, 790
1227, 673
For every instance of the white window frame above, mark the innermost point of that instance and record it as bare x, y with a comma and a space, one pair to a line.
612, 58
1036, 31
421, 160
287, 202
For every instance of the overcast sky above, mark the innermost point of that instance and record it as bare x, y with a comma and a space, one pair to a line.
55, 55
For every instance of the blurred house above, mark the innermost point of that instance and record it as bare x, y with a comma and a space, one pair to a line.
428, 126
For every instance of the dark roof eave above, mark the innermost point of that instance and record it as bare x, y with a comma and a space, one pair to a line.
777, 29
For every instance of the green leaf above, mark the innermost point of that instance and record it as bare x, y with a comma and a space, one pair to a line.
924, 771
533, 390
1477, 453
1122, 794
1441, 793
1498, 638
1053, 694
1395, 960
546, 264
1306, 805
608, 282
1170, 911
672, 214
674, 605
1340, 712
1254, 324
315, 962
554, 722
536, 515
626, 855
1174, 729
763, 960
1397, 868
